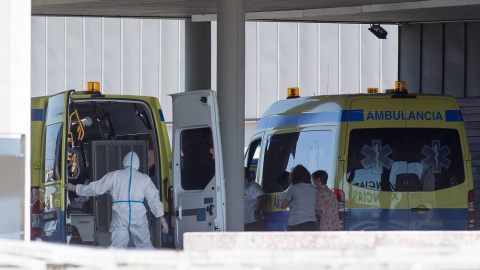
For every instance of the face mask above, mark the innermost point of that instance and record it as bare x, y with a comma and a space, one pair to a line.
246, 183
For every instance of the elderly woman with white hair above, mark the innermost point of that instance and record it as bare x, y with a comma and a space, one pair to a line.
128, 188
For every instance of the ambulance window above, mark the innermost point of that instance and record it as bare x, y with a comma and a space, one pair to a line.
53, 151
313, 149
439, 152
198, 158
414, 159
279, 157
251, 157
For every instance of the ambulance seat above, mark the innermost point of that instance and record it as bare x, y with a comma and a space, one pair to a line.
400, 170
407, 182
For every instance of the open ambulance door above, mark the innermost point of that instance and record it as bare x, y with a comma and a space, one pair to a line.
55, 215
199, 198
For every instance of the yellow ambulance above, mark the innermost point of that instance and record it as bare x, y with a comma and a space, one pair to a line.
396, 161
79, 136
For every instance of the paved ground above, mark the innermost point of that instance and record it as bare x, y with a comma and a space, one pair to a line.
276, 251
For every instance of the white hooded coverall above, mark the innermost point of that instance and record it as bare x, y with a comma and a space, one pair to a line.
128, 188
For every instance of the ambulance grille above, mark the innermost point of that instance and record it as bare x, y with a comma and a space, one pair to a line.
107, 156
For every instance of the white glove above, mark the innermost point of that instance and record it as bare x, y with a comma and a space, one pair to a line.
164, 225
70, 187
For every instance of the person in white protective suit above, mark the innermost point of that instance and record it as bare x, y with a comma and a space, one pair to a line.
128, 188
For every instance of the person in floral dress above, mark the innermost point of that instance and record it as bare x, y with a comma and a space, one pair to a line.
326, 205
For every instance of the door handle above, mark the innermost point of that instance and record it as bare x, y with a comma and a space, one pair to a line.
419, 209
210, 209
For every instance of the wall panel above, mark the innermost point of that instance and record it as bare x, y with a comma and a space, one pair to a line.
38, 56
146, 57
170, 64
213, 52
150, 54
349, 59
409, 60
267, 65
449, 58
55, 58
131, 57
181, 56
370, 62
432, 59
287, 57
112, 56
454, 76
308, 60
251, 62
93, 51
389, 57
329, 56
74, 53
473, 60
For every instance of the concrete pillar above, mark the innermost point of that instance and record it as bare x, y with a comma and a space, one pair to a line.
231, 102
15, 17
197, 55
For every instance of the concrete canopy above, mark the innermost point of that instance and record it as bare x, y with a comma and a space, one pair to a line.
340, 11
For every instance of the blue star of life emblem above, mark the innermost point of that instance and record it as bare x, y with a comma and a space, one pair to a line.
436, 157
376, 157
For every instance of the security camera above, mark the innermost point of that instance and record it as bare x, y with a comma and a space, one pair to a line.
378, 31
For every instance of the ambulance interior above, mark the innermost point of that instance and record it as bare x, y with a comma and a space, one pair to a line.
109, 130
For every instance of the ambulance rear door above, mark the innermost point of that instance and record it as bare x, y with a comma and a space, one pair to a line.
197, 164
434, 141
54, 216
376, 141
38, 107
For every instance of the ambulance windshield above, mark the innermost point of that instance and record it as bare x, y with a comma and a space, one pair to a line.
414, 159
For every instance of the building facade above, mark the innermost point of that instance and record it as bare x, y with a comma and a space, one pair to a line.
147, 57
